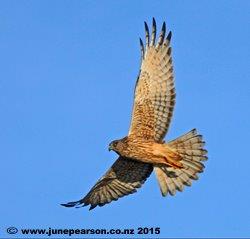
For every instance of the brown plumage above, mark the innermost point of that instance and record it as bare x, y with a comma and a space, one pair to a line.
175, 163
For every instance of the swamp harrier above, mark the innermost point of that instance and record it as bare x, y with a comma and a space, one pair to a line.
175, 163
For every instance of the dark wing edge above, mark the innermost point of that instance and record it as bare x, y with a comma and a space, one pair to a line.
123, 178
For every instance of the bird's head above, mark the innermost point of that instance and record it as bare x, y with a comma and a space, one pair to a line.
117, 146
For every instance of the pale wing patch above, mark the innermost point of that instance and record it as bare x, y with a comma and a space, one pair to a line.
154, 89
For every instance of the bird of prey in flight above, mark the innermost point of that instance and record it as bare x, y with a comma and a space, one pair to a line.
175, 163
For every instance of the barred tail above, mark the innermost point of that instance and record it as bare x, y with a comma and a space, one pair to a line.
190, 147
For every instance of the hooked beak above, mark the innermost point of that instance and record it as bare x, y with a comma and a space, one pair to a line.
110, 147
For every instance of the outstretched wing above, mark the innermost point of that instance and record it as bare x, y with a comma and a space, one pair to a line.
154, 92
123, 178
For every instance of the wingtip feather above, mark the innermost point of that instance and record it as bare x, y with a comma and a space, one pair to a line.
92, 207
146, 26
169, 36
147, 33
154, 22
71, 204
153, 33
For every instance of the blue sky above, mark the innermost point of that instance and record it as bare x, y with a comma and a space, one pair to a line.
68, 70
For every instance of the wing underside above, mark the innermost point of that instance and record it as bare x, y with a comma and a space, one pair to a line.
154, 97
123, 178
